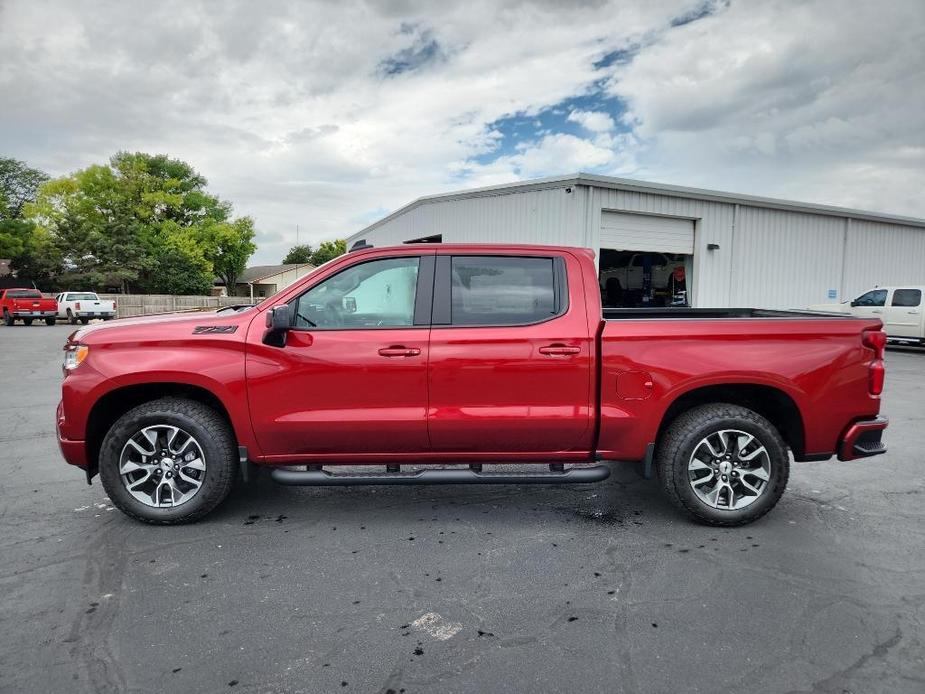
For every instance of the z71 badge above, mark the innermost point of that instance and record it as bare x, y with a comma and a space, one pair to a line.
214, 329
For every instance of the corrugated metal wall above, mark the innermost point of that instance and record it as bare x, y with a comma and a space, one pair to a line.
547, 216
884, 254
767, 258
785, 259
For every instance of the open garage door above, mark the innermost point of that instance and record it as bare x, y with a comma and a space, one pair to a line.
645, 261
639, 232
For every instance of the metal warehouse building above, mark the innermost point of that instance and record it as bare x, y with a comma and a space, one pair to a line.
724, 249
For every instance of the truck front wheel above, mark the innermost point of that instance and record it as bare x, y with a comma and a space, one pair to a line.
168, 461
723, 464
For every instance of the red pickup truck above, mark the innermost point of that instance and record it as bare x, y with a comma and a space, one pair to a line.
466, 356
27, 305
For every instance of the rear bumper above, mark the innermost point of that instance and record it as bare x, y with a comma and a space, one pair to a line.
94, 314
33, 314
863, 439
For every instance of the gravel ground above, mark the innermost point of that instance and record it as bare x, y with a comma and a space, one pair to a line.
596, 588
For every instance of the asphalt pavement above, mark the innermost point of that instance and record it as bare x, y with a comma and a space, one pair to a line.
590, 588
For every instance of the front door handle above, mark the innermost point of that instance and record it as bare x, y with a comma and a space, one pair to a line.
877, 310
399, 351
559, 350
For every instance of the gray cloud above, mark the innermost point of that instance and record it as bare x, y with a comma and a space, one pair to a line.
325, 114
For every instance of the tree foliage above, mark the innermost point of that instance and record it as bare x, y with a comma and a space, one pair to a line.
143, 222
18, 185
301, 253
328, 250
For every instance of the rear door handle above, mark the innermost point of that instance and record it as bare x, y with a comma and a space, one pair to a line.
559, 350
399, 351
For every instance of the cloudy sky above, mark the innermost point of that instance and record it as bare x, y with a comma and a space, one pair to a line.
331, 114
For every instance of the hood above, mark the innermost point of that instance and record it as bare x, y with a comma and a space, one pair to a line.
168, 324
830, 308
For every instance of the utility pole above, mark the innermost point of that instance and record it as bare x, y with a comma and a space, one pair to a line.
296, 234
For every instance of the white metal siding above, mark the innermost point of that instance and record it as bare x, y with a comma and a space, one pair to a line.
549, 216
767, 257
884, 254
639, 232
785, 259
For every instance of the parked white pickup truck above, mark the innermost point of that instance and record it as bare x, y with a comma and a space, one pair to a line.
900, 309
82, 306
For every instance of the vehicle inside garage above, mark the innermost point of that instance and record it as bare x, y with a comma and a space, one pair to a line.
645, 260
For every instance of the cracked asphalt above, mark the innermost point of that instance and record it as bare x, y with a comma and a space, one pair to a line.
592, 588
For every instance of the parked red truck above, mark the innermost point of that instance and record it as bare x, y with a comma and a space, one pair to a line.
27, 305
467, 356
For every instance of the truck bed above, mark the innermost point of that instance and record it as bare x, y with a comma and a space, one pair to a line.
679, 312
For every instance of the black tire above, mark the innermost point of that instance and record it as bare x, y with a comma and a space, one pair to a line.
677, 446
212, 433
51, 320
8, 320
84, 321
27, 321
70, 317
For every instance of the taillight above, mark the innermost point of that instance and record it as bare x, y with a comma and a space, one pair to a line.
876, 371
77, 305
113, 305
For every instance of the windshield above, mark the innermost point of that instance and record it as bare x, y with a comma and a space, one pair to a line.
24, 294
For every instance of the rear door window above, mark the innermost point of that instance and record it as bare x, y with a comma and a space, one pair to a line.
907, 297
499, 290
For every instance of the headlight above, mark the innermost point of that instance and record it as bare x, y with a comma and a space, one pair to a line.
74, 355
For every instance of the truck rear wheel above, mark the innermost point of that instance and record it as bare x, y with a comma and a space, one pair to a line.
723, 464
51, 320
70, 317
168, 461
7, 318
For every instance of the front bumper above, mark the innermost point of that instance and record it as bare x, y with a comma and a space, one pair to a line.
74, 452
863, 439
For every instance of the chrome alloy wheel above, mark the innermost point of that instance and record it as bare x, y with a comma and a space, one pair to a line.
162, 466
729, 469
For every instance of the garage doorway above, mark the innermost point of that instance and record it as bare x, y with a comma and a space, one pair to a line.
646, 261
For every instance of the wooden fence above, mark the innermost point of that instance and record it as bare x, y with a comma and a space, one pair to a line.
149, 304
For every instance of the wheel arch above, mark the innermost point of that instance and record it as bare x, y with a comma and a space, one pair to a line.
772, 403
114, 403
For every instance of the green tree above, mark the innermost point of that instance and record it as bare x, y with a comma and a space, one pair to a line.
18, 185
227, 246
143, 221
301, 253
328, 250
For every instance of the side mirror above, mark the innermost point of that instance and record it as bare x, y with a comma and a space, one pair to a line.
278, 324
855, 303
